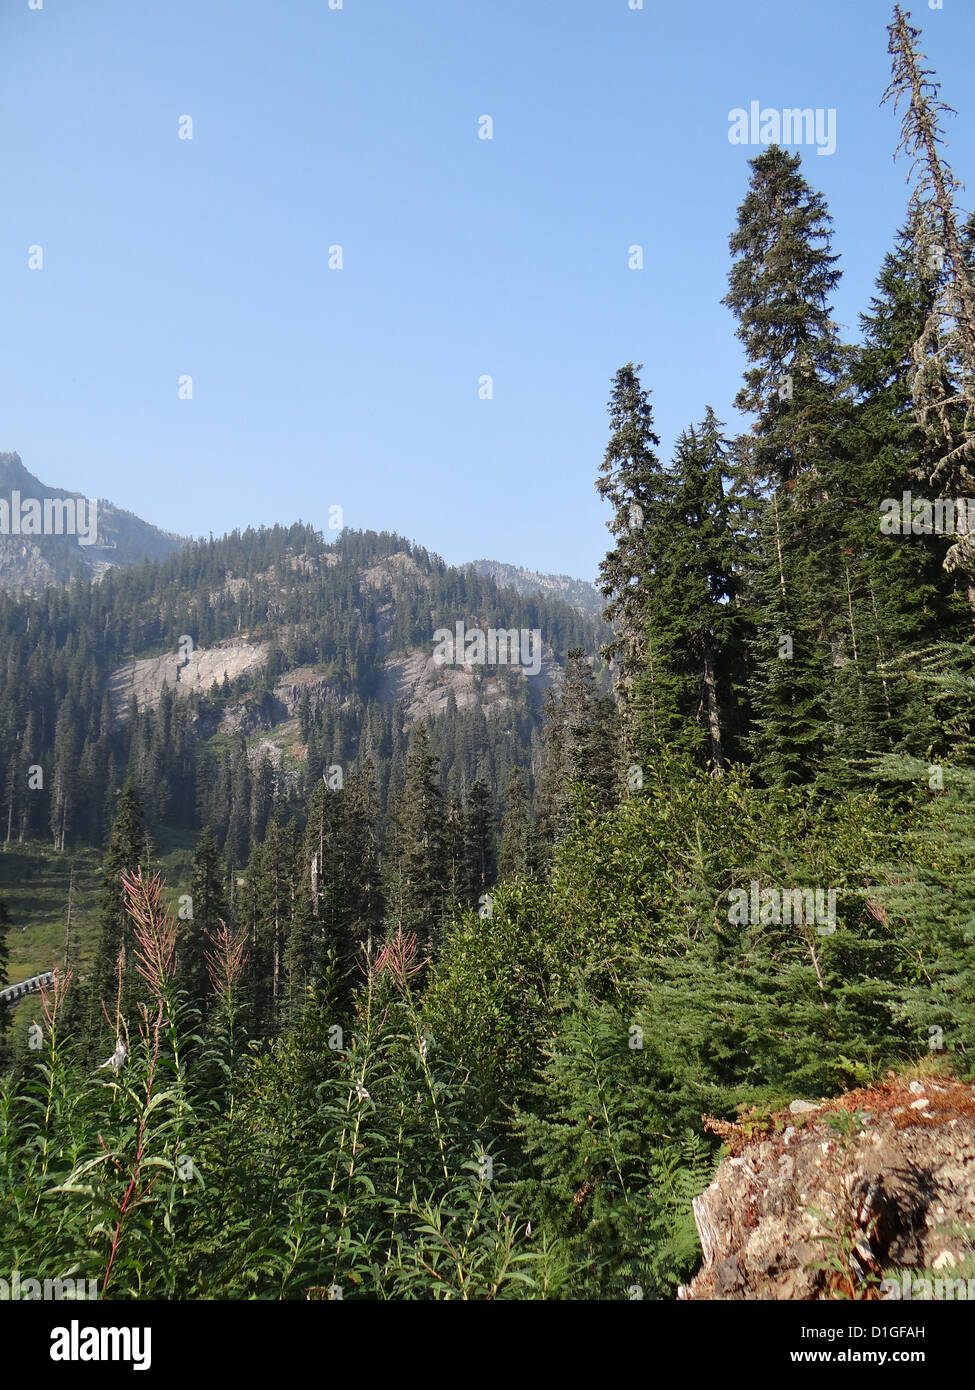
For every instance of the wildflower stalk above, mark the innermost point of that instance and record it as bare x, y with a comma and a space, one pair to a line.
398, 958
225, 961
134, 1193
51, 1003
359, 1090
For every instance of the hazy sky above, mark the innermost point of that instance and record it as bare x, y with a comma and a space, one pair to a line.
462, 257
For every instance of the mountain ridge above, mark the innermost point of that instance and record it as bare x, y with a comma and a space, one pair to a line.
28, 564
579, 593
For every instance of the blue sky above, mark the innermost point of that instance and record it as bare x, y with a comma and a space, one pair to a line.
462, 257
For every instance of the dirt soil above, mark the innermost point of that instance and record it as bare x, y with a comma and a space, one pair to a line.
822, 1201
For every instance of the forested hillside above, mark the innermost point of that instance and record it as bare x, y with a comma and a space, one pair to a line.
477, 964
306, 655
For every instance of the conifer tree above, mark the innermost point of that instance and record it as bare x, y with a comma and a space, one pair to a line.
779, 286
416, 872
479, 842
64, 782
581, 742
340, 902
128, 850
457, 879
209, 907
518, 854
943, 384
238, 827
685, 698
631, 480
926, 896
267, 910
313, 925
304, 715
262, 797
361, 876
549, 772
897, 597
10, 798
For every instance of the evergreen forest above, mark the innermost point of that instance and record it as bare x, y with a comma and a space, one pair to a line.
399, 982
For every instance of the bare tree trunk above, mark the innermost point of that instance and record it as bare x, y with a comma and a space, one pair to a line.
67, 925
714, 722
778, 543
880, 650
277, 958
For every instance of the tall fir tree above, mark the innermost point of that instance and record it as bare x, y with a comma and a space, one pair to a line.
943, 384
518, 851
897, 596
581, 747
128, 851
480, 848
782, 275
415, 881
267, 910
686, 697
632, 481
208, 903
340, 903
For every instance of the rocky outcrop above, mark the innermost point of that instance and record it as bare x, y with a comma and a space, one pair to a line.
835, 1199
194, 673
425, 686
399, 570
279, 710
300, 681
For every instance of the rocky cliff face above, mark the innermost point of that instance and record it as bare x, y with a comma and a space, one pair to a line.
868, 1196
195, 673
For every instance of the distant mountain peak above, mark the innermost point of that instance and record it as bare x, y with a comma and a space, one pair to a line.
579, 593
29, 561
13, 475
